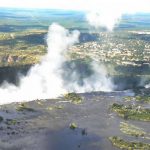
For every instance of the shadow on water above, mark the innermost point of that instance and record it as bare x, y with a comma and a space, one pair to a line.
73, 140
63, 139
50, 130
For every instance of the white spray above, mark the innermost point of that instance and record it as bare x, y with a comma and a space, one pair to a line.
44, 80
97, 81
107, 13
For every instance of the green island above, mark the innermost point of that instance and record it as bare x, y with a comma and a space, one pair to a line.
123, 144
132, 130
142, 99
73, 98
132, 112
24, 107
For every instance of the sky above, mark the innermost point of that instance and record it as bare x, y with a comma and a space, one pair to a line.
98, 12
126, 5
54, 4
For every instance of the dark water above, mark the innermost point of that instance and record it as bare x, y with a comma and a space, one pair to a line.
48, 129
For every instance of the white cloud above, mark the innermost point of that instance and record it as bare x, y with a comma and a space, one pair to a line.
108, 12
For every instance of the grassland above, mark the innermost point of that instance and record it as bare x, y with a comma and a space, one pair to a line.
132, 130
73, 98
129, 145
132, 112
141, 99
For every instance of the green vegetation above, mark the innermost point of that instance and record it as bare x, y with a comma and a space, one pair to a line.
132, 112
49, 108
22, 48
131, 130
145, 99
18, 58
11, 122
128, 98
59, 107
74, 98
123, 144
55, 107
73, 126
23, 107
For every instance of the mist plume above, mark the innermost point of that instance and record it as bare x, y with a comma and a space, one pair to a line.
45, 80
108, 13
